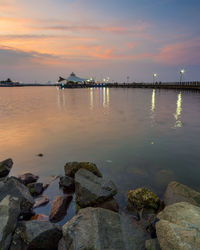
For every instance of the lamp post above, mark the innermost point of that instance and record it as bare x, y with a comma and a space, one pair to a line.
182, 71
154, 77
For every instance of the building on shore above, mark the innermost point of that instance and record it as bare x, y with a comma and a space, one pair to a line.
73, 79
9, 82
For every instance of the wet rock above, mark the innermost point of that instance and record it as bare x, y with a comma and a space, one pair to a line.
179, 227
35, 235
5, 167
45, 186
14, 188
35, 188
98, 228
110, 204
40, 217
59, 208
43, 200
91, 190
67, 182
72, 167
152, 244
28, 178
9, 212
177, 192
142, 198
26, 213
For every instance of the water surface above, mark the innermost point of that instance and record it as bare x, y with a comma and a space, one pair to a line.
137, 137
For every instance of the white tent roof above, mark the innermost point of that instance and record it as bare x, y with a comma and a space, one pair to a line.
74, 78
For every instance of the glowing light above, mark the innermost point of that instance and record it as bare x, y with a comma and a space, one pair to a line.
182, 71
178, 123
153, 100
91, 98
155, 75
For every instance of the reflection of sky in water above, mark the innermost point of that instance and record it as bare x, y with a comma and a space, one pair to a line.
111, 127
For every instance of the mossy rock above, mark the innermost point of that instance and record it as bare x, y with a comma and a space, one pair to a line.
72, 167
142, 198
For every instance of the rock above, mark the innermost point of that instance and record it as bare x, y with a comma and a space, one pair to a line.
5, 167
177, 192
14, 188
72, 167
91, 190
28, 178
26, 213
45, 186
43, 200
9, 212
179, 227
35, 235
67, 182
40, 155
59, 208
142, 198
40, 217
152, 244
98, 228
110, 204
35, 188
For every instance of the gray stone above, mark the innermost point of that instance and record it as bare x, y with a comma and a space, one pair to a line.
5, 167
43, 200
28, 178
59, 208
179, 227
109, 204
9, 212
35, 235
67, 182
91, 189
72, 167
177, 192
152, 244
14, 188
101, 229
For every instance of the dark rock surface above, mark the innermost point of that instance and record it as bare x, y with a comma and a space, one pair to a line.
14, 188
72, 167
9, 212
5, 167
109, 204
177, 192
91, 190
67, 182
35, 235
59, 208
35, 188
152, 244
98, 228
28, 178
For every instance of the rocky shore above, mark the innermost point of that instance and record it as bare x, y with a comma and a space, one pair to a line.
148, 223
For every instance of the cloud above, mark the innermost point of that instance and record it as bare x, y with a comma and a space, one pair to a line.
185, 52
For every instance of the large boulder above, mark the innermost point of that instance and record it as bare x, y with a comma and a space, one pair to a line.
141, 198
14, 188
72, 167
36, 235
28, 178
9, 212
152, 244
98, 228
177, 192
179, 227
59, 208
91, 190
5, 167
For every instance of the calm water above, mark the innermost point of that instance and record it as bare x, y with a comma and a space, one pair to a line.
136, 137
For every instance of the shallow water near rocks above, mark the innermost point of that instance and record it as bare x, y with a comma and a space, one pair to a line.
137, 137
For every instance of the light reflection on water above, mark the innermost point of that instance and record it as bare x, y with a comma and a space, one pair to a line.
128, 133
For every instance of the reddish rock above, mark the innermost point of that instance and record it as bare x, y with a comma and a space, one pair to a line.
59, 208
40, 217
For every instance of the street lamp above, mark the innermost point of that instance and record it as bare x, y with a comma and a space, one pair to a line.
182, 71
154, 77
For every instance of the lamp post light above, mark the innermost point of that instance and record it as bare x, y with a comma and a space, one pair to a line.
154, 77
182, 71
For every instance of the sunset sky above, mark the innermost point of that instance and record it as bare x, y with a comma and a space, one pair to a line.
41, 40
